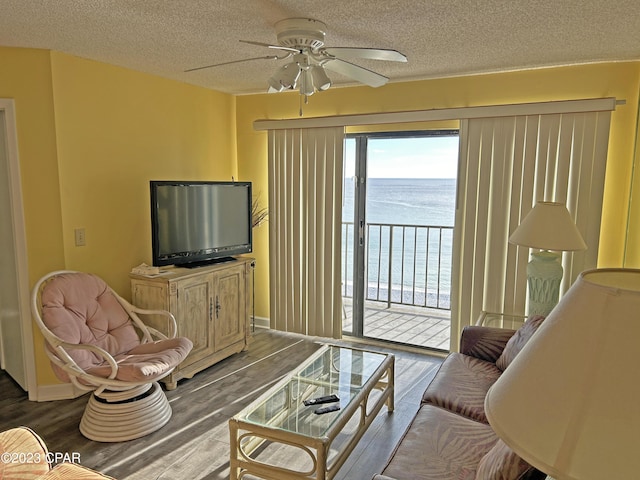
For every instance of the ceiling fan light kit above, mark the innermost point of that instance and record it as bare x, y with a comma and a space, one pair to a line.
303, 41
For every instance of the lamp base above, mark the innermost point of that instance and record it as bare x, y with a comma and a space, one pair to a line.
544, 274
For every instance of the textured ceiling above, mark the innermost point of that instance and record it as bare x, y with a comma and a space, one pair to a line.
440, 37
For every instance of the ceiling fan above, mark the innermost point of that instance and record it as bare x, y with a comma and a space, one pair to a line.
302, 41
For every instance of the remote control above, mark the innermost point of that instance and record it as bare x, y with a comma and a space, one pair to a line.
332, 408
319, 400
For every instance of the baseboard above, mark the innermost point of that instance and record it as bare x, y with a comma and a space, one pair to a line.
62, 391
262, 322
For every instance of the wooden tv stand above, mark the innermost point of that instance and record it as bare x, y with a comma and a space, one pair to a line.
212, 307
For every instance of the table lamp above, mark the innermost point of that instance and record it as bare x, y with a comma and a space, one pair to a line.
548, 226
567, 403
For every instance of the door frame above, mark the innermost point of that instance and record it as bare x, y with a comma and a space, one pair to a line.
359, 242
360, 221
14, 183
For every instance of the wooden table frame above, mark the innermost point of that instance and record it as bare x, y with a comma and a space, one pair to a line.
246, 436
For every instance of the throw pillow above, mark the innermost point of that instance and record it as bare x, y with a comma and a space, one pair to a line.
501, 463
518, 341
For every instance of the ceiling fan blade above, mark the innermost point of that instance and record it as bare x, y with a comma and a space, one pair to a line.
267, 57
356, 72
368, 53
275, 47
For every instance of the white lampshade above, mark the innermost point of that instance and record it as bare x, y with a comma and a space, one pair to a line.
286, 77
548, 226
306, 83
568, 403
320, 78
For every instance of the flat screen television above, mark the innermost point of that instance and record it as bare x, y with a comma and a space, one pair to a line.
197, 223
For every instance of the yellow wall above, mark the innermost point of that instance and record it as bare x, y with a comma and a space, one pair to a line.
90, 138
117, 129
26, 78
618, 80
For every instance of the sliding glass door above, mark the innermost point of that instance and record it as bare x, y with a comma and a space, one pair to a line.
398, 218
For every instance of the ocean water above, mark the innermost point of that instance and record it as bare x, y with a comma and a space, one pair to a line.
409, 240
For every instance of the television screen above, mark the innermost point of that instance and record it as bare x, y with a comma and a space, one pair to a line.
194, 223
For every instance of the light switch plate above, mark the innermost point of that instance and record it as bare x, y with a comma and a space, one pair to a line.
81, 239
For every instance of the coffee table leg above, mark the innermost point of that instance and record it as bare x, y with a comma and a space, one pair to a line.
391, 386
234, 469
321, 458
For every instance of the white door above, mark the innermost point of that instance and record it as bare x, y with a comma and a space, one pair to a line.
16, 350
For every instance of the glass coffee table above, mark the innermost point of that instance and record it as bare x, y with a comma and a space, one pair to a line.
278, 437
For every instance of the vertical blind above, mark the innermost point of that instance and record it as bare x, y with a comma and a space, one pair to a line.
507, 164
305, 212
511, 156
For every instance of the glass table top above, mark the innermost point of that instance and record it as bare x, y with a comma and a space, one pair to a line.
332, 370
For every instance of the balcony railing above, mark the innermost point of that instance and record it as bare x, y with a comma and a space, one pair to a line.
405, 264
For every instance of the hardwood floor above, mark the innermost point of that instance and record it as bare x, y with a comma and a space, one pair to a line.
195, 442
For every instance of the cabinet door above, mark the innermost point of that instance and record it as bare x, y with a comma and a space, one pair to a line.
230, 306
152, 296
194, 315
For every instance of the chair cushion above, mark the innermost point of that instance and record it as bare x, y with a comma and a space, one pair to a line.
461, 384
80, 308
502, 463
518, 341
440, 445
148, 361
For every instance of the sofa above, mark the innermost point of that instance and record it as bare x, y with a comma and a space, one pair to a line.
24, 456
450, 437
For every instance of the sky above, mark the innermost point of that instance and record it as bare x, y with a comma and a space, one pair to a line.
423, 157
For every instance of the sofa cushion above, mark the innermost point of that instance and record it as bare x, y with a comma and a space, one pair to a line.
17, 445
518, 341
502, 463
461, 384
25, 457
485, 343
440, 445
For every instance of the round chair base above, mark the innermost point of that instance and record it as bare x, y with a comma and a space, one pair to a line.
146, 411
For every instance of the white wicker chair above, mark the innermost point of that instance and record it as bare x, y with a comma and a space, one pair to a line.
96, 340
